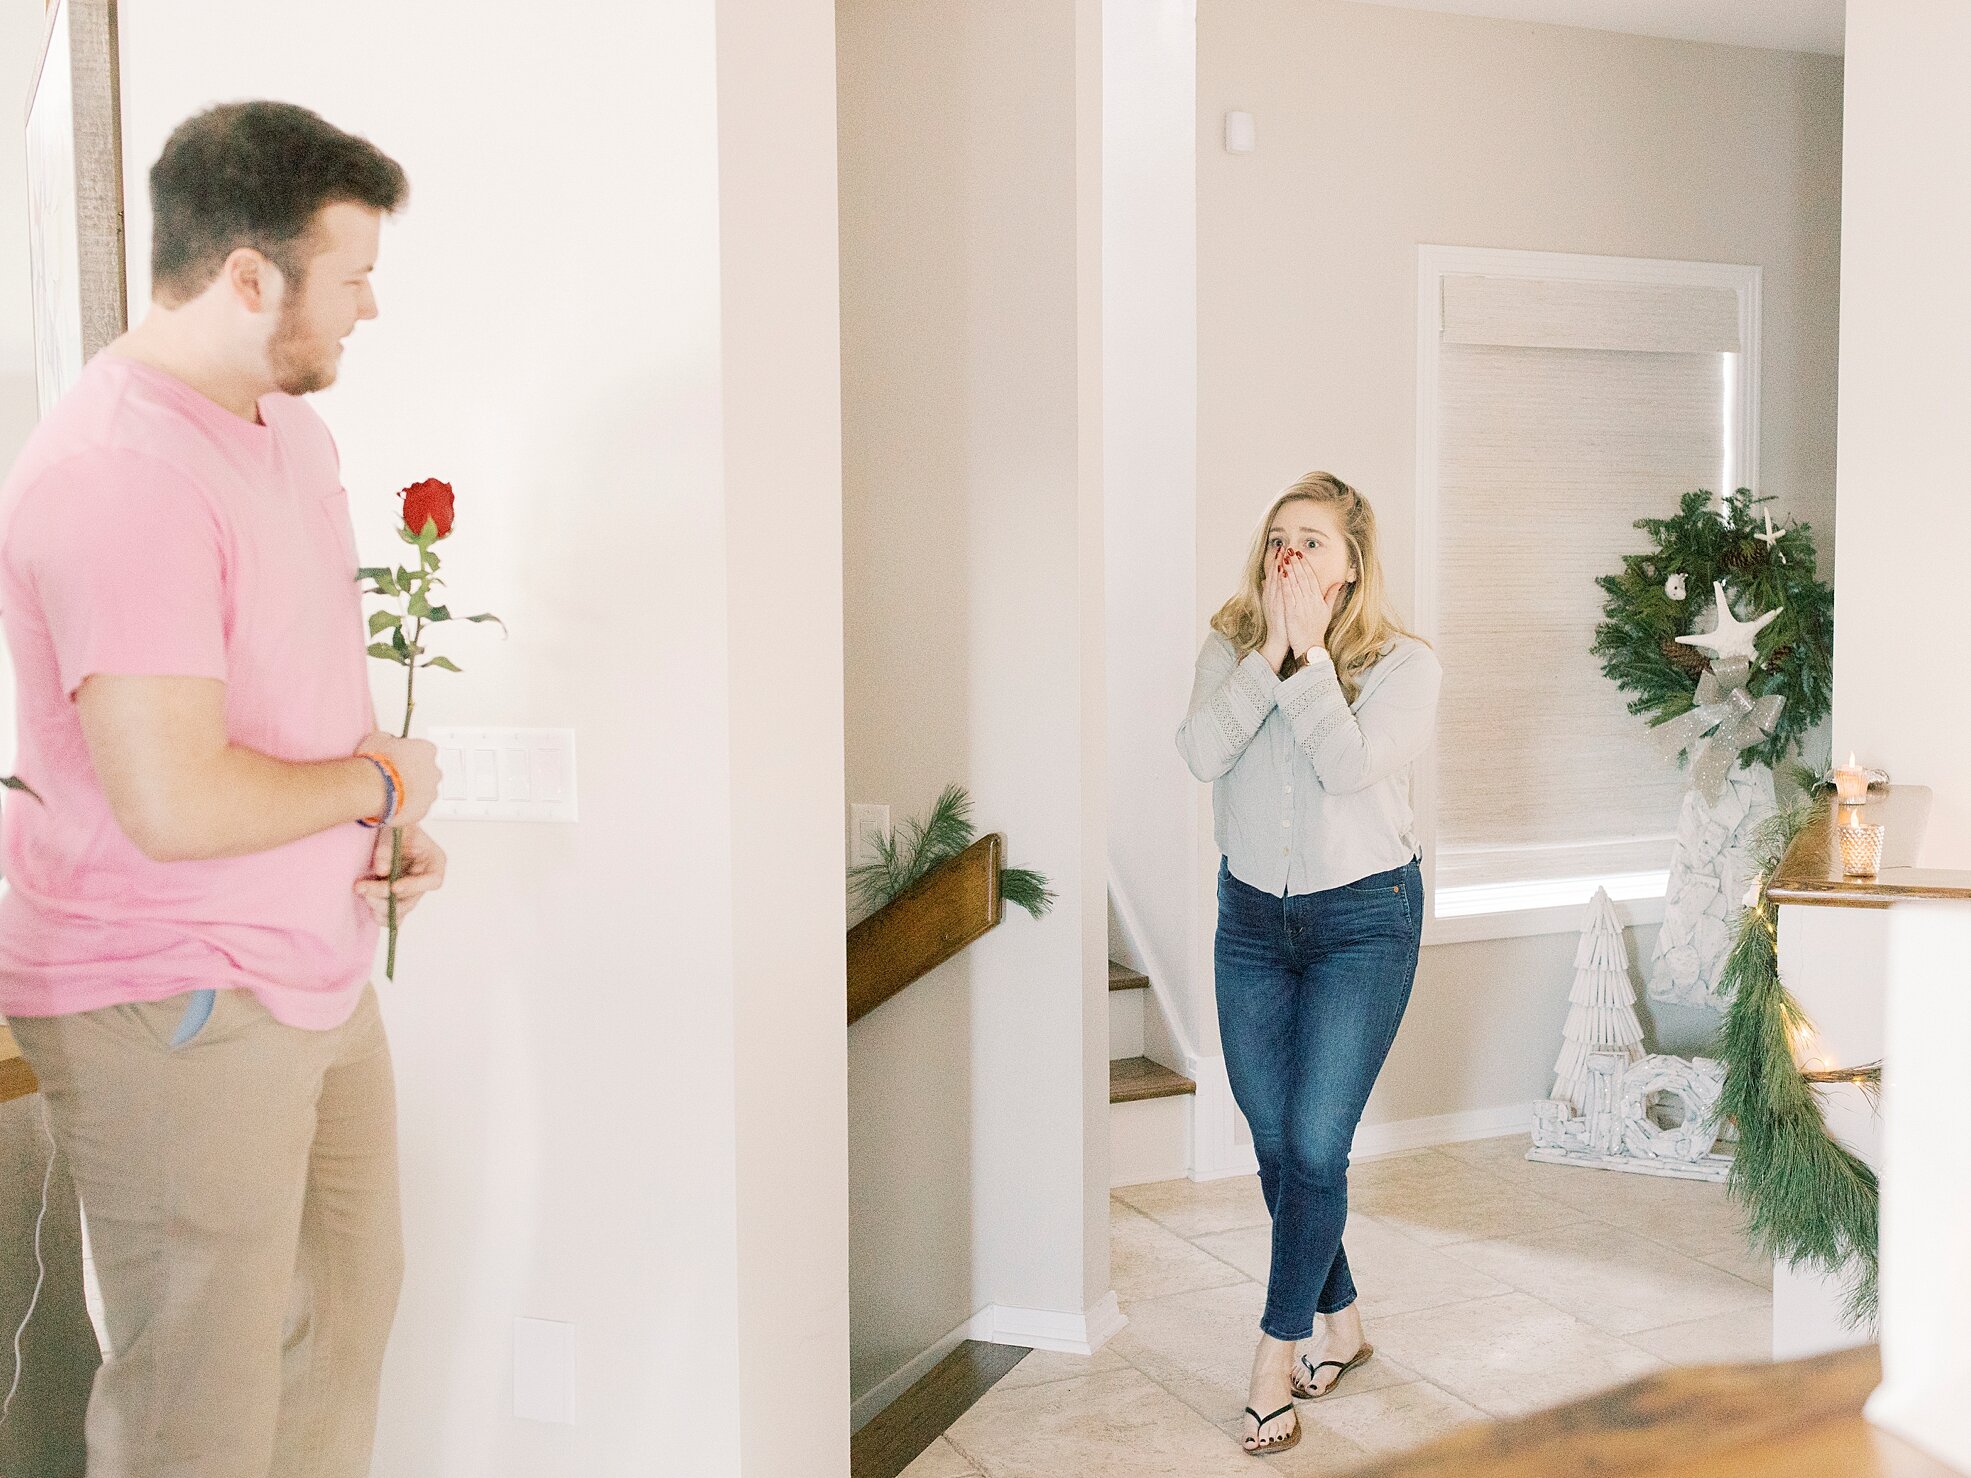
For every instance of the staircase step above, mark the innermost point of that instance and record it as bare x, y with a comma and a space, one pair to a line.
1134, 1078
1121, 977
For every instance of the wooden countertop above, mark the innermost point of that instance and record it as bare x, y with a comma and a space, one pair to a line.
1799, 1420
1811, 870
16, 1077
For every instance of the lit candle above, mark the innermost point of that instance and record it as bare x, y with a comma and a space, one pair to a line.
1851, 783
1861, 849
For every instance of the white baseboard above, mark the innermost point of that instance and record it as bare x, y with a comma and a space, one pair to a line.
1417, 1134
1222, 1146
877, 1397
1047, 1329
1033, 1329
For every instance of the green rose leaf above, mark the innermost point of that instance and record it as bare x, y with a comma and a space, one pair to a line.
437, 613
488, 616
385, 652
420, 606
382, 619
397, 642
14, 782
444, 662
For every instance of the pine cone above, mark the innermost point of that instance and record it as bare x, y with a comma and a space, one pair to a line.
1686, 659
1744, 557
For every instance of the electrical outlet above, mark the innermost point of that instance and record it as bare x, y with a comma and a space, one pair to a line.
868, 825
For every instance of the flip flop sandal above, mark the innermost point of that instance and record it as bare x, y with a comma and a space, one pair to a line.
1306, 1392
1272, 1445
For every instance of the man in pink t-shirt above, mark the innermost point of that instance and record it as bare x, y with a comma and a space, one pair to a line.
192, 906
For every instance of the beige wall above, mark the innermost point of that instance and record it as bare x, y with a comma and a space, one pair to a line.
1380, 129
1901, 623
972, 523
608, 318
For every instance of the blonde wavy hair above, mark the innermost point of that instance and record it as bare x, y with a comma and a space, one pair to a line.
1363, 624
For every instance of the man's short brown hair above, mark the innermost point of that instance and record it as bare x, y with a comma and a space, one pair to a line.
255, 174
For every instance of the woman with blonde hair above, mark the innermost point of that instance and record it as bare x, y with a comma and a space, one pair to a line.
1310, 707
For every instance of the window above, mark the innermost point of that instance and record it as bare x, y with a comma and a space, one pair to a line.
1561, 398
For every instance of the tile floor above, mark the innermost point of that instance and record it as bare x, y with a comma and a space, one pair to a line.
1490, 1286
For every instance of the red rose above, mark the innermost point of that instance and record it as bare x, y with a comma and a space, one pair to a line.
426, 502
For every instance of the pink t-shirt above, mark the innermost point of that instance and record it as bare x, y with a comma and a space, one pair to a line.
148, 532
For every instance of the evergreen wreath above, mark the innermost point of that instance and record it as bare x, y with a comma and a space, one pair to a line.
1762, 569
1808, 1199
920, 847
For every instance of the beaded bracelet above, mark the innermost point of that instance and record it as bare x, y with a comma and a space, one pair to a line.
393, 791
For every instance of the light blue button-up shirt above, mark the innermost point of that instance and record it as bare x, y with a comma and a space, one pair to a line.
1308, 791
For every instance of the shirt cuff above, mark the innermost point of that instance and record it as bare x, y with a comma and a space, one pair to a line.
1259, 682
1312, 699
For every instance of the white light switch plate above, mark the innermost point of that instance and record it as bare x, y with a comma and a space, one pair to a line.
544, 1370
867, 825
505, 774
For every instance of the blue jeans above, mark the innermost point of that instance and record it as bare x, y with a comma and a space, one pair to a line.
1311, 990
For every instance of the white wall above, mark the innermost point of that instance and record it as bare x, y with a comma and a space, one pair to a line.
781, 354
588, 1026
978, 1097
20, 50
1901, 623
1379, 129
1900, 632
21, 32
1150, 375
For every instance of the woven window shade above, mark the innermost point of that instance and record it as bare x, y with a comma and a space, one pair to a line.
1548, 455
1541, 313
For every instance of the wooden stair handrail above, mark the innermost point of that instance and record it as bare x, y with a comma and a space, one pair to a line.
925, 925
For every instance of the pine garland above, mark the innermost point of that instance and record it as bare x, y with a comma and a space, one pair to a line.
1638, 644
1809, 1200
918, 847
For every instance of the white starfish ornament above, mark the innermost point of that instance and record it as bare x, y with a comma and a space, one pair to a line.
1731, 637
1771, 537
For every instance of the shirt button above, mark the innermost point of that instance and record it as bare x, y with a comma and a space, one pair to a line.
1286, 851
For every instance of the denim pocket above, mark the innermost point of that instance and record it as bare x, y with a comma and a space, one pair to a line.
198, 1012
1382, 882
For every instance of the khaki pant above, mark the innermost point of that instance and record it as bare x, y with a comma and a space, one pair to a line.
241, 1197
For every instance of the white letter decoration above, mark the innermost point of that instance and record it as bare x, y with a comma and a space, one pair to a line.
1619, 1128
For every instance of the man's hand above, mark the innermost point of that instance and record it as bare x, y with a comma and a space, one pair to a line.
417, 762
424, 872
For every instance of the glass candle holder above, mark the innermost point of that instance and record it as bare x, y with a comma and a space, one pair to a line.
1861, 849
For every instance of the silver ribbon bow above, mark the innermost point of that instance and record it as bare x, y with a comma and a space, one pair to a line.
1726, 722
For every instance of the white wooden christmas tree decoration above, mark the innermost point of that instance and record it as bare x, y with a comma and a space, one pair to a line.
1601, 1016
1731, 637
1613, 1108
